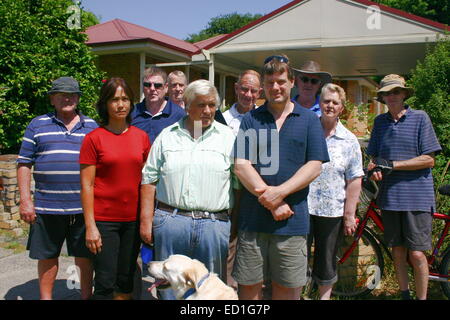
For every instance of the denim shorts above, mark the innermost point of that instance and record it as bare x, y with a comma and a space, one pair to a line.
283, 259
203, 239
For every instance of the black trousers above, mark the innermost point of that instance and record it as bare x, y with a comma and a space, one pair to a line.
115, 265
327, 233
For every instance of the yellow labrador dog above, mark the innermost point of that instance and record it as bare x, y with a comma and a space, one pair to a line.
189, 279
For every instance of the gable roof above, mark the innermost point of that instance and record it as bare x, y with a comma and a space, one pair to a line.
383, 8
117, 30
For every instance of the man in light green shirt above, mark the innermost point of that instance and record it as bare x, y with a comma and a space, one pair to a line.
192, 174
189, 169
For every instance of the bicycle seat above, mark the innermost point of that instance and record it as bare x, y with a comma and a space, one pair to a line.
445, 190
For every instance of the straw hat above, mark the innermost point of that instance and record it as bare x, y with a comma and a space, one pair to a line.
312, 67
390, 82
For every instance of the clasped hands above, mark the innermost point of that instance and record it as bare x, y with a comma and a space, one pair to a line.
272, 198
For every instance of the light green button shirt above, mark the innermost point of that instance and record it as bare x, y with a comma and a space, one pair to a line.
192, 174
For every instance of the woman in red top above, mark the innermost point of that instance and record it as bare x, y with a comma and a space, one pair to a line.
111, 158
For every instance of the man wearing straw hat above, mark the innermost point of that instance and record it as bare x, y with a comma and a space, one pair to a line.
402, 146
310, 80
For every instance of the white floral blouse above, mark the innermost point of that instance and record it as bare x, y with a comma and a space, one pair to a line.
327, 193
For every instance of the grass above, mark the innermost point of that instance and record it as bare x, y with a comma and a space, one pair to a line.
8, 240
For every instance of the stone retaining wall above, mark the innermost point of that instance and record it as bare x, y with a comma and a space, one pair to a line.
9, 199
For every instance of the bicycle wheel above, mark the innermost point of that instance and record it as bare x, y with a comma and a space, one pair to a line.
361, 272
444, 270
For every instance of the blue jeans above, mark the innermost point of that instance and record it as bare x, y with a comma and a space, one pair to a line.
203, 239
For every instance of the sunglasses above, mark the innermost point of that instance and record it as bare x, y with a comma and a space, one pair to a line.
307, 79
394, 92
279, 58
155, 84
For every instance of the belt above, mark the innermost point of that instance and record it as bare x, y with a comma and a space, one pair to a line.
196, 214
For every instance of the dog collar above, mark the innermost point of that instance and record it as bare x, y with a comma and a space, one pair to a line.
191, 291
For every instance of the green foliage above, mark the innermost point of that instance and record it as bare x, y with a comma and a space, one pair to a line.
437, 10
223, 24
37, 47
431, 82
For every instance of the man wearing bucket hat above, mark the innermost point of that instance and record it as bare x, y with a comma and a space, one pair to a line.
51, 144
309, 80
402, 146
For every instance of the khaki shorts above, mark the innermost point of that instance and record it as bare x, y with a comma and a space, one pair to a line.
282, 258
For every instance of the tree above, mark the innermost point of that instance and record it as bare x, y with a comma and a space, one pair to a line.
436, 10
431, 82
37, 46
223, 24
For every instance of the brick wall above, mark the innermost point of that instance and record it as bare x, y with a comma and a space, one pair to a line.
9, 200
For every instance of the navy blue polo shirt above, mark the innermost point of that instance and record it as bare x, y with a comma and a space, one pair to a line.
153, 125
277, 156
411, 136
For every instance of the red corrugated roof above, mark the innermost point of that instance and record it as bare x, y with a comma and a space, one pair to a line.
202, 44
397, 12
122, 31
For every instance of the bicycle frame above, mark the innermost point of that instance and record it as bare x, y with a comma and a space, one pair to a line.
432, 258
371, 213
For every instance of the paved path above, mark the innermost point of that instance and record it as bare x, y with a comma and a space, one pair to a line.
18, 278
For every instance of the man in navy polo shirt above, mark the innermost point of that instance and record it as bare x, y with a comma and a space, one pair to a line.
155, 113
279, 151
403, 145
52, 144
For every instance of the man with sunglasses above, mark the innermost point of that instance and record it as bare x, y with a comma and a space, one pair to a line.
402, 146
309, 80
273, 218
155, 113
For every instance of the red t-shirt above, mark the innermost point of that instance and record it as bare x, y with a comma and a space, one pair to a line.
119, 159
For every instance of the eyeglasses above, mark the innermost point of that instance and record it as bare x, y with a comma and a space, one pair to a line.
155, 84
279, 58
394, 92
307, 79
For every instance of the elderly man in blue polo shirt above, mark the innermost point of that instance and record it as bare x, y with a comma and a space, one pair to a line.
155, 113
402, 146
279, 151
52, 144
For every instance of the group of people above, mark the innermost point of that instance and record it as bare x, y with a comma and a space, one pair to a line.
177, 173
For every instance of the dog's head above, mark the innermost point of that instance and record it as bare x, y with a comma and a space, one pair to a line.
177, 272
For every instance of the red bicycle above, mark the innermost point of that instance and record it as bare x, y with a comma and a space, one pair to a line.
360, 259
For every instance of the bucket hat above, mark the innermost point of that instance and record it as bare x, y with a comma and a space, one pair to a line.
66, 85
312, 67
390, 82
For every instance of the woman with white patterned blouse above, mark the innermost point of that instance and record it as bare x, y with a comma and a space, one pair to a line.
334, 194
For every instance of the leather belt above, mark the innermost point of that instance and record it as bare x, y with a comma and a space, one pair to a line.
196, 214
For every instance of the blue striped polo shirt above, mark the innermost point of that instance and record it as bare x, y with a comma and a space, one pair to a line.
277, 156
54, 151
412, 136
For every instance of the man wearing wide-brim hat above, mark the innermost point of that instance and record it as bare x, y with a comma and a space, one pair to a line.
51, 144
309, 79
402, 146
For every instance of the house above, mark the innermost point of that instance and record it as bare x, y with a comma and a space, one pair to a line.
352, 39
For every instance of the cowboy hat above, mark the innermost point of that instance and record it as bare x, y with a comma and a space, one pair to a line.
312, 67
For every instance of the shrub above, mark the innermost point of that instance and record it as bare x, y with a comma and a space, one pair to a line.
37, 47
